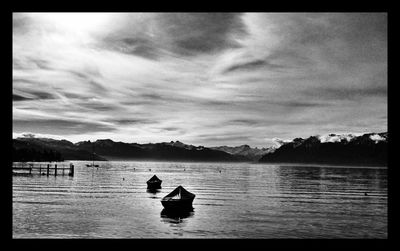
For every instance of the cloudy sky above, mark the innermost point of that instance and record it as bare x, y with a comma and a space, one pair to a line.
201, 78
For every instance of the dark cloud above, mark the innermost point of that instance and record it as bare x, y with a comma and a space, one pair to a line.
244, 121
300, 104
184, 34
342, 39
318, 28
349, 93
171, 128
283, 102
59, 126
17, 97
140, 47
152, 96
253, 65
72, 95
22, 95
135, 102
43, 95
97, 105
310, 28
133, 121
202, 32
214, 103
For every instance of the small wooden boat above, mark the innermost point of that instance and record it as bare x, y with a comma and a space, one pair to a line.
178, 199
92, 165
154, 183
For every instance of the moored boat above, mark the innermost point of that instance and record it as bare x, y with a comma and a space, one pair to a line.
92, 164
154, 183
178, 199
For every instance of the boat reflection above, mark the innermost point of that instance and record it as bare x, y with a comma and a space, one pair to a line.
153, 191
175, 216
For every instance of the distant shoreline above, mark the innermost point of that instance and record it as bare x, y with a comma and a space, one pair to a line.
287, 164
324, 165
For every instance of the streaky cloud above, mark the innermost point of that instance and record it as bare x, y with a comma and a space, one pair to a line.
17, 97
349, 93
59, 126
21, 94
253, 65
247, 122
133, 121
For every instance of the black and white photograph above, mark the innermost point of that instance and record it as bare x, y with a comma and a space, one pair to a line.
199, 125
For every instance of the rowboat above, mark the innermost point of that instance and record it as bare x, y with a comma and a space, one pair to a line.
92, 164
178, 199
154, 183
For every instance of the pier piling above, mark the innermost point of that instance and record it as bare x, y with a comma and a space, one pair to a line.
32, 168
71, 170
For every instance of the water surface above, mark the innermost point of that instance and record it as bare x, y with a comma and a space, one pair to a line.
233, 200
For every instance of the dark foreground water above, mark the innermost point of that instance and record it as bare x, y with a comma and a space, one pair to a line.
232, 201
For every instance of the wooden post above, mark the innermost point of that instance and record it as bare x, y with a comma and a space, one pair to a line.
55, 169
48, 169
71, 169
63, 169
40, 169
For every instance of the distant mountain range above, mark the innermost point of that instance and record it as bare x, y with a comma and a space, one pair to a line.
367, 149
245, 151
346, 149
67, 149
106, 149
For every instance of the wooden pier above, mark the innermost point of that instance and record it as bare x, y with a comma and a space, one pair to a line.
43, 168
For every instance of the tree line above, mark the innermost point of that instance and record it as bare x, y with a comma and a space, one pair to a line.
31, 154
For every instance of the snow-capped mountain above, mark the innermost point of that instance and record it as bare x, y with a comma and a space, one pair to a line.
376, 137
354, 149
245, 151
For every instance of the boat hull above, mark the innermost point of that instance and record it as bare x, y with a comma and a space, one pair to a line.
181, 204
154, 185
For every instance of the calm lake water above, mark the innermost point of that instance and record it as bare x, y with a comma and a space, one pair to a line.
235, 200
